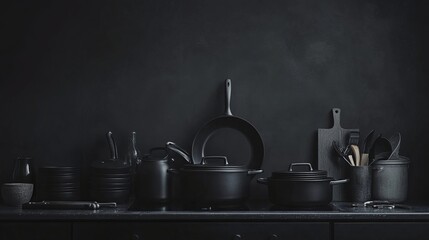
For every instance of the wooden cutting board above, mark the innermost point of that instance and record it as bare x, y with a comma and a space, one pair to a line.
327, 158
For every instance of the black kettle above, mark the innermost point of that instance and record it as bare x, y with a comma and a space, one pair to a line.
152, 183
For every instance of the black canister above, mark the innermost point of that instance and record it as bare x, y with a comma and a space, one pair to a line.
390, 179
359, 186
152, 183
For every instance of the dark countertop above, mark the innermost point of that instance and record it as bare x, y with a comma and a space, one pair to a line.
263, 212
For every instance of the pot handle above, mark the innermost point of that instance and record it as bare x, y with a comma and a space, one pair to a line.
172, 170
263, 180
254, 172
175, 148
204, 160
300, 164
335, 182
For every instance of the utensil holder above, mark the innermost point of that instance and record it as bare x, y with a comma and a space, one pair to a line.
359, 187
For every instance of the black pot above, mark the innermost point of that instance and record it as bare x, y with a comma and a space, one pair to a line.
214, 184
300, 188
152, 182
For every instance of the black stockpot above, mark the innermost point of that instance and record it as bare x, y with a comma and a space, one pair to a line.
300, 188
214, 184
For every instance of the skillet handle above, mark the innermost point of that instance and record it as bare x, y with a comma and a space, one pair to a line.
335, 182
228, 89
262, 180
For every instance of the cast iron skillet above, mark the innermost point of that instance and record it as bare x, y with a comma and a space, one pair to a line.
229, 121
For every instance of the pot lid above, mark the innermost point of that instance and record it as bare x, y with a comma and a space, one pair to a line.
400, 161
156, 154
294, 173
207, 163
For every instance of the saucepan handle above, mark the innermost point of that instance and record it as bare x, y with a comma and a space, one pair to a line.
254, 172
335, 182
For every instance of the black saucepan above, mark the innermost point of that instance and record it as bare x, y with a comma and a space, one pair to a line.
211, 184
300, 188
229, 121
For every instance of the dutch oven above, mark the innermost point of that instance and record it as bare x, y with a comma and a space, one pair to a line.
214, 182
309, 188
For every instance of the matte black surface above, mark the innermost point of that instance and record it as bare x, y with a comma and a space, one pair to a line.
201, 231
257, 212
31, 230
73, 70
376, 231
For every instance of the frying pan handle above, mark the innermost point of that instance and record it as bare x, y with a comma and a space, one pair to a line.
204, 160
228, 88
300, 164
336, 112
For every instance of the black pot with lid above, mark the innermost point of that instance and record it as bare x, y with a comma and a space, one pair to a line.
214, 181
309, 188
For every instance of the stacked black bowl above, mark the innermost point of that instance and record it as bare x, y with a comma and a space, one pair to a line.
110, 184
59, 183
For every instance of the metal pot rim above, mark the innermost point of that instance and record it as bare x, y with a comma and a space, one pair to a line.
325, 179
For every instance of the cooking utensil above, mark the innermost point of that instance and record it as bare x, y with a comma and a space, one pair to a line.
69, 205
356, 154
351, 160
365, 147
214, 184
229, 121
395, 143
152, 183
327, 159
299, 191
354, 137
112, 145
340, 153
372, 149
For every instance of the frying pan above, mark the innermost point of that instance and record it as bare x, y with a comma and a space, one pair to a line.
229, 121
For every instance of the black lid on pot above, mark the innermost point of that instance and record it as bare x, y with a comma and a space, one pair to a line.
300, 174
206, 166
156, 154
400, 161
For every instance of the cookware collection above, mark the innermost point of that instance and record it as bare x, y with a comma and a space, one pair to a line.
170, 173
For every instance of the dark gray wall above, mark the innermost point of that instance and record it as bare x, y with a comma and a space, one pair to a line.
70, 71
